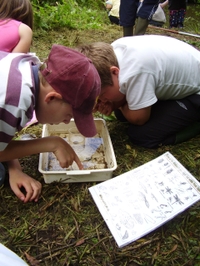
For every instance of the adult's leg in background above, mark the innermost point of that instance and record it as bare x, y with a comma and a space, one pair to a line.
181, 17
145, 12
173, 18
127, 13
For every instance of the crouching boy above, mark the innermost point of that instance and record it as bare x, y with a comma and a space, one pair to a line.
65, 86
152, 82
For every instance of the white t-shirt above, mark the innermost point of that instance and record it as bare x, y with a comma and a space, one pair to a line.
154, 67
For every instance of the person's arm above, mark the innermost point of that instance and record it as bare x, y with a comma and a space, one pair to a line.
25, 41
18, 149
140, 94
137, 117
164, 4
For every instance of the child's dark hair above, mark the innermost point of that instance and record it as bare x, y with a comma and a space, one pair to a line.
20, 10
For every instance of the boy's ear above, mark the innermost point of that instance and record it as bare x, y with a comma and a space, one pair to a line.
52, 95
114, 70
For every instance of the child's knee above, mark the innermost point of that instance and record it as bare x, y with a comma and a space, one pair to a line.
151, 140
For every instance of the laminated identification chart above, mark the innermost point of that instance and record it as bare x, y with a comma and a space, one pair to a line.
139, 201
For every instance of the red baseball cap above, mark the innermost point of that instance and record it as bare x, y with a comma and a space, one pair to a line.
74, 76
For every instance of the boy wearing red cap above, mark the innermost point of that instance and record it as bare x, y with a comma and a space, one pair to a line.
65, 86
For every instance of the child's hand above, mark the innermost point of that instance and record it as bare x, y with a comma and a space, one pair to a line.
19, 180
105, 108
65, 154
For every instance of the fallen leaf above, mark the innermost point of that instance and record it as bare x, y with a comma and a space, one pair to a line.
80, 242
32, 261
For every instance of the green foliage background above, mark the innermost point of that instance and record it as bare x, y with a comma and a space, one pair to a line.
79, 14
90, 14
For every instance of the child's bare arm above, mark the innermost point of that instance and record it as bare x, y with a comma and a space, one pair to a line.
164, 4
137, 117
24, 43
20, 148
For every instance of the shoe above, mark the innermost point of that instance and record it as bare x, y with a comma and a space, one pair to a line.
2, 174
187, 133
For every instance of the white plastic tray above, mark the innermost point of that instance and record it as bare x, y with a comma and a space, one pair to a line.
74, 176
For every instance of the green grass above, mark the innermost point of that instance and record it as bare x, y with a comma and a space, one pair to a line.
65, 227
71, 14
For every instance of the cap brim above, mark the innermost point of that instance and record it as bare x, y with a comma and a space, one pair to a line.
85, 124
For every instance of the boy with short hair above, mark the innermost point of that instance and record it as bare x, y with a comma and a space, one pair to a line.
153, 82
65, 87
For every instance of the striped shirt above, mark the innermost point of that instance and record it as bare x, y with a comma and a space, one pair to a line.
17, 93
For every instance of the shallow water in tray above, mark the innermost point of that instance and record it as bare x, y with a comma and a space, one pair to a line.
91, 153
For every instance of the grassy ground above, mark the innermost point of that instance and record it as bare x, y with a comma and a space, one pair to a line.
65, 226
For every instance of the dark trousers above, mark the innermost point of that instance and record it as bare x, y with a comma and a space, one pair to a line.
129, 11
171, 122
114, 20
